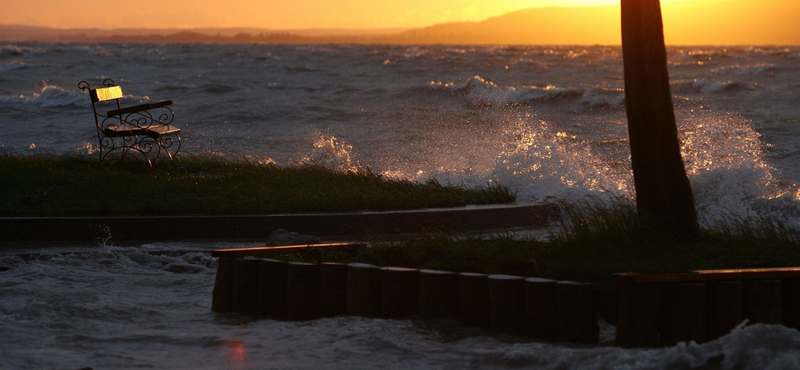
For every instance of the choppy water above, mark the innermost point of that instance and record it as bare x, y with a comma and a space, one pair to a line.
122, 308
546, 121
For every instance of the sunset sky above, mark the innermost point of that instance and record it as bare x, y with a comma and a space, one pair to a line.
277, 14
750, 22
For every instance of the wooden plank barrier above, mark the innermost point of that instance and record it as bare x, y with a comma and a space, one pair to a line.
790, 303
245, 286
332, 289
222, 297
363, 290
438, 294
507, 303
577, 313
663, 309
399, 292
683, 308
257, 286
248, 282
541, 313
272, 295
302, 291
473, 294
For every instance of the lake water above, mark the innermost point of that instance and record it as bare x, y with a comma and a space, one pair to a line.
548, 122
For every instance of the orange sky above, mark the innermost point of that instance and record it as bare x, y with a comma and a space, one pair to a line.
375, 14
277, 14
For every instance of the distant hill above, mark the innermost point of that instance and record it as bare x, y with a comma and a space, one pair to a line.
557, 25
686, 23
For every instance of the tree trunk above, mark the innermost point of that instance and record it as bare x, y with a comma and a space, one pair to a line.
664, 197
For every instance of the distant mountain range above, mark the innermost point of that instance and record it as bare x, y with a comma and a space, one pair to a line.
685, 22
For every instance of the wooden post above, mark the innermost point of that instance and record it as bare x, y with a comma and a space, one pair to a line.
724, 308
438, 294
245, 286
399, 291
663, 194
577, 313
363, 290
302, 291
541, 301
639, 310
332, 289
222, 297
272, 300
762, 301
507, 303
683, 313
790, 303
473, 298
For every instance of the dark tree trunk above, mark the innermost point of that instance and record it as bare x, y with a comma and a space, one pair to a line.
663, 195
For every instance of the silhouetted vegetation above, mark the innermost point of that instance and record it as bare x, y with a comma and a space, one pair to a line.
591, 242
76, 185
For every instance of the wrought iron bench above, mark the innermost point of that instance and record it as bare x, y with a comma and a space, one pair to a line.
145, 128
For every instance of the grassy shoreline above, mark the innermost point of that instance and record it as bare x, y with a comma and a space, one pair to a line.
77, 186
591, 242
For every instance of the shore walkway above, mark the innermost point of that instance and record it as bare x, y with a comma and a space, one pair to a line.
330, 226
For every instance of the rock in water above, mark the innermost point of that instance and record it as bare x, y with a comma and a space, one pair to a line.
284, 237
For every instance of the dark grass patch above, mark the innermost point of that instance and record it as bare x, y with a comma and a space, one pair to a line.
591, 243
77, 186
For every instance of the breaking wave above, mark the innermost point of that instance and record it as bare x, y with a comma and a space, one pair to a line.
481, 92
50, 96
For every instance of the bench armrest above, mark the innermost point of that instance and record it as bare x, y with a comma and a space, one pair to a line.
138, 108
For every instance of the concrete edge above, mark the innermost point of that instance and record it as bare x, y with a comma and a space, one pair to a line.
16, 230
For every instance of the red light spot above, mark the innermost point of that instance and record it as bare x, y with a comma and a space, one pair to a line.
236, 351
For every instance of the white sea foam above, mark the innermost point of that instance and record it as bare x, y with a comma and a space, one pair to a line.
710, 86
50, 96
14, 66
738, 70
483, 92
602, 98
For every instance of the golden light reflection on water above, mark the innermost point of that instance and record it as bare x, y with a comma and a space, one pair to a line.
236, 352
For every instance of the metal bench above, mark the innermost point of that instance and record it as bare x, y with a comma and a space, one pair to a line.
145, 128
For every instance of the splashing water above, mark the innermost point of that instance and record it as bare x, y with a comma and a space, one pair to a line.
541, 162
726, 163
332, 153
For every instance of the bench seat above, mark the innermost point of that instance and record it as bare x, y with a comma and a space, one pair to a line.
158, 131
122, 131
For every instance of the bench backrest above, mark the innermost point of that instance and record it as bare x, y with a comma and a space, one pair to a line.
105, 93
102, 94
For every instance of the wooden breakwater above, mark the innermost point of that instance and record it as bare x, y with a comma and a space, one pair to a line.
653, 309
663, 309
550, 310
